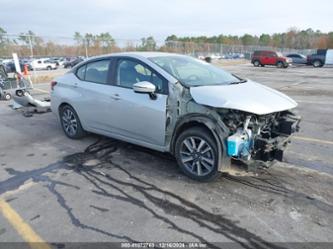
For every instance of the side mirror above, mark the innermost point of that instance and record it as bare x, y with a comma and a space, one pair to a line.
144, 87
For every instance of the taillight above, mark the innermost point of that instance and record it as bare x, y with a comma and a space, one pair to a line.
53, 84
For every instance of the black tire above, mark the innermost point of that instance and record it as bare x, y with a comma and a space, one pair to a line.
256, 63
280, 64
191, 167
49, 68
317, 63
19, 93
69, 117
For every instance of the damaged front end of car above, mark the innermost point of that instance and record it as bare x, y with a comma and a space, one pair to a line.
262, 138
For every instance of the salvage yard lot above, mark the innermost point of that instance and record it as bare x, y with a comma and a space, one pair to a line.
98, 189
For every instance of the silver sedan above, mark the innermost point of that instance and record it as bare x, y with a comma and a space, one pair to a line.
199, 113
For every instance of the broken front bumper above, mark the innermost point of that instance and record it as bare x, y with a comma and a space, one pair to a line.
269, 147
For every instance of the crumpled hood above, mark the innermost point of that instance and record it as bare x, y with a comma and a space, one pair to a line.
248, 97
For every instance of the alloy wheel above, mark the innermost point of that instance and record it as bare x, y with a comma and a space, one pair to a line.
197, 156
69, 122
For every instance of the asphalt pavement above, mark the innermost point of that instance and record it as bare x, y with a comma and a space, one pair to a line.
97, 189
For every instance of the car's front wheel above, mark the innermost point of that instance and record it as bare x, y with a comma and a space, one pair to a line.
280, 64
70, 122
196, 154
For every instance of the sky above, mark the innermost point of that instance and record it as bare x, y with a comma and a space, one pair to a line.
134, 19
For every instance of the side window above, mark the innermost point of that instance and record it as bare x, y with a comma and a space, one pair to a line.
81, 72
130, 72
96, 71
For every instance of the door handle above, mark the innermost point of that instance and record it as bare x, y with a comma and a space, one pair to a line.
75, 85
115, 96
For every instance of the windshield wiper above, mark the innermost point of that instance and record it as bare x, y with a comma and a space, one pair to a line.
237, 82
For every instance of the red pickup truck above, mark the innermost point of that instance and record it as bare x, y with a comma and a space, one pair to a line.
265, 57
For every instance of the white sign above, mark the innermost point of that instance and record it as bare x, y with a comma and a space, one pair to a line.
17, 63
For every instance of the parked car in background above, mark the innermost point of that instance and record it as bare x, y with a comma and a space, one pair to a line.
320, 58
198, 112
43, 64
72, 62
265, 57
10, 67
298, 58
52, 60
59, 61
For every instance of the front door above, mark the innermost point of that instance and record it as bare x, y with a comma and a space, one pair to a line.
135, 116
271, 58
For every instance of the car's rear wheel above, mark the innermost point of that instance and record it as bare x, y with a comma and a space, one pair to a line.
317, 63
196, 154
70, 122
49, 68
256, 63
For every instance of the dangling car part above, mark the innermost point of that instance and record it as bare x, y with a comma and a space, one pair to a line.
29, 103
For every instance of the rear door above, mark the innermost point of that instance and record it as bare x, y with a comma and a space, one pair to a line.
264, 58
138, 117
93, 94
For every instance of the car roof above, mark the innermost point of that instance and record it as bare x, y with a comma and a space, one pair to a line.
264, 51
137, 54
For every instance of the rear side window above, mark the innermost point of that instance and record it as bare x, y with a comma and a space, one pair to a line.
81, 72
96, 72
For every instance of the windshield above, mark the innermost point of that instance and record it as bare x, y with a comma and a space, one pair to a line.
193, 72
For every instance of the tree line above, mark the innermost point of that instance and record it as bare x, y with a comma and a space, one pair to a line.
293, 39
25, 44
94, 44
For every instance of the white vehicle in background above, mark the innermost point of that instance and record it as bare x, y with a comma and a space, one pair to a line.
329, 57
60, 61
43, 64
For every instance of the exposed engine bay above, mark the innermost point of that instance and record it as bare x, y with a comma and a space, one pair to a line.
259, 137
